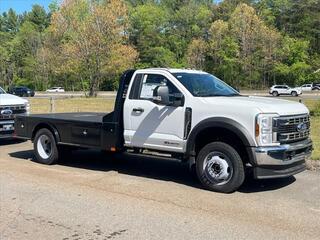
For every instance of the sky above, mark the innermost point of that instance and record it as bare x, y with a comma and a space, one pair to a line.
22, 5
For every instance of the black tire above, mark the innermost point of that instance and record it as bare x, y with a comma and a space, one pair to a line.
206, 167
275, 93
294, 94
45, 147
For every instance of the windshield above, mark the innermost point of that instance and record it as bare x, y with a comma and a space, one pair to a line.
2, 91
205, 85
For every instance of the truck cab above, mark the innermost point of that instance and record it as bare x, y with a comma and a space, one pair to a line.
192, 115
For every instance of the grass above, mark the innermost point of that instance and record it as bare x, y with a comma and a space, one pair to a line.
42, 105
314, 106
315, 136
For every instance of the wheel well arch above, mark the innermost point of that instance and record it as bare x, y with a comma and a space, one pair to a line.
48, 126
221, 129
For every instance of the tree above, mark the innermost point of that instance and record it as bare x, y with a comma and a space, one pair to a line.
91, 32
196, 55
10, 21
24, 50
86, 44
39, 17
223, 51
190, 21
149, 24
297, 18
293, 67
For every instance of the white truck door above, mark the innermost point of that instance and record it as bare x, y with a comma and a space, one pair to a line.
149, 125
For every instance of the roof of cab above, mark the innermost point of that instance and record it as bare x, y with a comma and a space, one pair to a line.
174, 70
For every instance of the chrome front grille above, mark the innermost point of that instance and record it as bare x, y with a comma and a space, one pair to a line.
292, 128
15, 109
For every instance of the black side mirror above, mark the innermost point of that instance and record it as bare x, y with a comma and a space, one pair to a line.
161, 95
178, 99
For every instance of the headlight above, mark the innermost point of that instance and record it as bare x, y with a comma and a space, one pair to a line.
27, 105
263, 130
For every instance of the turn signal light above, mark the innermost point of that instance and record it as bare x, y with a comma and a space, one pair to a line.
257, 130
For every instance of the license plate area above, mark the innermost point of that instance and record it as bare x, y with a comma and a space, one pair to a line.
6, 127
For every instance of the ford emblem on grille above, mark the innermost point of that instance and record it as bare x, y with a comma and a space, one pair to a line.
6, 112
302, 127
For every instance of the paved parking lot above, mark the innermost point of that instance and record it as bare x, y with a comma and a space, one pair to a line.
94, 196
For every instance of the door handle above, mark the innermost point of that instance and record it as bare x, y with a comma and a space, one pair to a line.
138, 110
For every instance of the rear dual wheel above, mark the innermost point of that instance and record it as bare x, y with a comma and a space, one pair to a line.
46, 149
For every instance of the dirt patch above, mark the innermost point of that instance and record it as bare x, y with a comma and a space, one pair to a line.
313, 165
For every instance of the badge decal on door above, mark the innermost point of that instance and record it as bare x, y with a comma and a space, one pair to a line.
171, 143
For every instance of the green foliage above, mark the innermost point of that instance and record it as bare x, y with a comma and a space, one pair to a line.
39, 17
10, 21
294, 68
84, 45
315, 111
17, 81
147, 31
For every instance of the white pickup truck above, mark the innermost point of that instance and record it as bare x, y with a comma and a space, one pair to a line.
10, 106
191, 115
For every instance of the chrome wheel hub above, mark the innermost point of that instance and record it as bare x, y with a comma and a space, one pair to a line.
218, 168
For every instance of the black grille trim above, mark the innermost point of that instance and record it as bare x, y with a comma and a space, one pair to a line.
286, 128
16, 109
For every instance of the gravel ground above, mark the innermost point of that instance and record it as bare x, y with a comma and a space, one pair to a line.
94, 196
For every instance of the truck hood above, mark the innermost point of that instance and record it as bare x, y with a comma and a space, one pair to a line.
262, 104
8, 99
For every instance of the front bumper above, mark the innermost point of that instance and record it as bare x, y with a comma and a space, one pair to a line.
281, 161
5, 131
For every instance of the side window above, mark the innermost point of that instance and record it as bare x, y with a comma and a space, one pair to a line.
150, 82
135, 89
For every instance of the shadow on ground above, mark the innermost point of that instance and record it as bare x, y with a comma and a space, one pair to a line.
10, 141
151, 167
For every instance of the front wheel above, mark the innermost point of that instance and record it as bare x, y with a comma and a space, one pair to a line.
275, 94
220, 168
45, 147
294, 93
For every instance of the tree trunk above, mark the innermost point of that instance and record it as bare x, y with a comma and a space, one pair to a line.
93, 86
